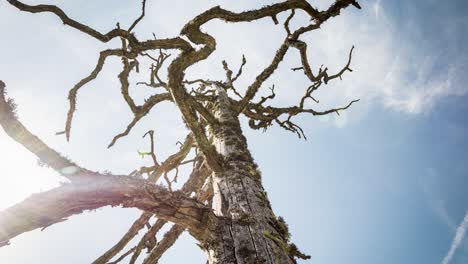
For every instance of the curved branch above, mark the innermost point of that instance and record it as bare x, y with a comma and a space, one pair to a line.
188, 58
123, 256
47, 208
124, 84
345, 68
322, 74
262, 117
174, 160
168, 240
143, 5
151, 234
174, 43
131, 233
154, 70
74, 91
91, 191
263, 76
251, 15
142, 111
194, 183
73, 23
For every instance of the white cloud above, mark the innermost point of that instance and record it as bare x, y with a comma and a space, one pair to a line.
390, 68
422, 90
410, 78
457, 240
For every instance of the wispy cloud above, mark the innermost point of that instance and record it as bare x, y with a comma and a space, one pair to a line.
376, 7
394, 64
429, 184
417, 76
424, 87
457, 240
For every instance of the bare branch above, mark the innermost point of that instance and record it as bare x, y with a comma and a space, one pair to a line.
263, 76
286, 22
262, 117
73, 23
174, 160
202, 111
269, 97
21, 134
194, 183
143, 4
148, 240
345, 68
169, 239
239, 72
142, 111
322, 74
126, 131
131, 233
44, 209
152, 153
73, 92
155, 68
123, 256
123, 77
151, 234
229, 84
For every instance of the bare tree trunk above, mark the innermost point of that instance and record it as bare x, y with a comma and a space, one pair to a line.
250, 232
238, 225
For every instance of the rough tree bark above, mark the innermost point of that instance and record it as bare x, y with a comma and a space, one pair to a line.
223, 204
247, 234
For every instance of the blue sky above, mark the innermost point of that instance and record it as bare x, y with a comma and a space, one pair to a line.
383, 183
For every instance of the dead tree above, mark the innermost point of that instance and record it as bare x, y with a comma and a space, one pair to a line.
223, 205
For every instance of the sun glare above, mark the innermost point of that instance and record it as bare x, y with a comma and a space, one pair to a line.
20, 176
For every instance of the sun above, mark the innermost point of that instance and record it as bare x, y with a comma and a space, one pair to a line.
20, 175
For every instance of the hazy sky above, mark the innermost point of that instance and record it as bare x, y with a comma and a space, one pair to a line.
385, 182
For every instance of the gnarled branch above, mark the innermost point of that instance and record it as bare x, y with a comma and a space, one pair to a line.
74, 91
44, 209
131, 233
